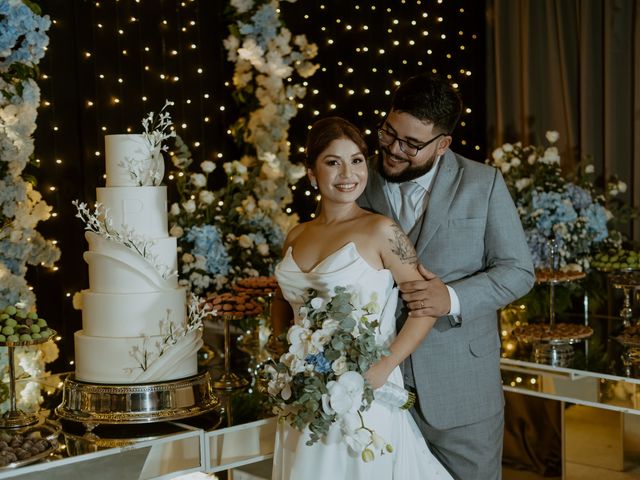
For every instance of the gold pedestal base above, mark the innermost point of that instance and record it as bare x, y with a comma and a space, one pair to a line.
18, 418
94, 404
230, 381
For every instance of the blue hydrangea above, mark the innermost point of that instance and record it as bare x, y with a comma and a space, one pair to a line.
207, 243
269, 229
596, 217
580, 198
321, 364
550, 208
23, 37
264, 25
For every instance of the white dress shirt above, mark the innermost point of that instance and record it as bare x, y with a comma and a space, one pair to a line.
420, 200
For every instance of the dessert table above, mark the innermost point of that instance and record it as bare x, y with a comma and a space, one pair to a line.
601, 383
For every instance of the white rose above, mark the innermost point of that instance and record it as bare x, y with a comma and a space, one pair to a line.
175, 209
245, 241
208, 166
176, 231
589, 169
198, 180
507, 147
515, 162
532, 159
187, 258
523, 183
497, 155
206, 197
551, 156
189, 206
622, 186
552, 136
505, 167
263, 249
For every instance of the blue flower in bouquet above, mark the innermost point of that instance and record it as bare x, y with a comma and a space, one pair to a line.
321, 364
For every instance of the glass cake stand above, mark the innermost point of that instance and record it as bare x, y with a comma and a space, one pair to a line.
14, 417
627, 280
229, 380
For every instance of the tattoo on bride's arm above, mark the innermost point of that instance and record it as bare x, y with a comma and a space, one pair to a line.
402, 246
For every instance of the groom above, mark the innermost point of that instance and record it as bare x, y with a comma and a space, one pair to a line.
463, 223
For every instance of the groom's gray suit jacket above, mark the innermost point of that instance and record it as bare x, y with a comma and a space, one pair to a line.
472, 238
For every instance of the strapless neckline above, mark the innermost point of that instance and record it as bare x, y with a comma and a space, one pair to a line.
347, 247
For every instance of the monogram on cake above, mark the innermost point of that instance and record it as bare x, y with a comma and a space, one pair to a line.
136, 326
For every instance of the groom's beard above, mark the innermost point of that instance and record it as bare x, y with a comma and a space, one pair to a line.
410, 173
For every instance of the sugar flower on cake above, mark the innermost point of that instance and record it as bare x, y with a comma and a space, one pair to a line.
152, 352
99, 222
148, 169
570, 211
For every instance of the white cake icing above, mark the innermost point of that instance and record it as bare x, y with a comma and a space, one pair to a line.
134, 315
121, 151
142, 207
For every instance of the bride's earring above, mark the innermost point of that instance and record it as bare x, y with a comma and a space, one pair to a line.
314, 185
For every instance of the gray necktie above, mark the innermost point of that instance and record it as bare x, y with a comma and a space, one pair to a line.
407, 214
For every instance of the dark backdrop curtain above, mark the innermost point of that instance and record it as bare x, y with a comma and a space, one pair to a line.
571, 66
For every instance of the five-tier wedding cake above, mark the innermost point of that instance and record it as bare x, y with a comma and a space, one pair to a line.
135, 324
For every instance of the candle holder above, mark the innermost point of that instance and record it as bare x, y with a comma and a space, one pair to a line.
229, 380
14, 417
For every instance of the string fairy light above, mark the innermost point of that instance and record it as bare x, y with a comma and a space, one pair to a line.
134, 55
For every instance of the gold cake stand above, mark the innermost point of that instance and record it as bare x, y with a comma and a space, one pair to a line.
15, 418
229, 380
95, 404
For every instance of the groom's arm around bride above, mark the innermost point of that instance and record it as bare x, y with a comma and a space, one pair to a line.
468, 235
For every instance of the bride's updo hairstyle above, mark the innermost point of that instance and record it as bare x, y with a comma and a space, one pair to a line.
325, 131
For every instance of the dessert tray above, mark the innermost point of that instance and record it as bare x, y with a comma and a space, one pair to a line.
630, 336
560, 333
28, 445
236, 305
557, 276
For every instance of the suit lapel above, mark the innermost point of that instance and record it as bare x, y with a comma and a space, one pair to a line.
443, 190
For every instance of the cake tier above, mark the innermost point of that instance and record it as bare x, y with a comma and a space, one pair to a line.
115, 268
130, 315
121, 360
142, 209
130, 161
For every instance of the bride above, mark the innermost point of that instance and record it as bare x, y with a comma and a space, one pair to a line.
348, 246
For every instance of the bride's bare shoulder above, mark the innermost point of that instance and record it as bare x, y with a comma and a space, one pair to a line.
376, 223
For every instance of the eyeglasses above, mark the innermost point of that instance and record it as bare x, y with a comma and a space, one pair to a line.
387, 138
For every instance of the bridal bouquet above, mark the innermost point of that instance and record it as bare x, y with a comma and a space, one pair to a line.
319, 382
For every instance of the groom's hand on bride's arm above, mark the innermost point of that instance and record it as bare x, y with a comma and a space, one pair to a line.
427, 297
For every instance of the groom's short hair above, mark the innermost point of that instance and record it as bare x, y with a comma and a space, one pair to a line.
430, 99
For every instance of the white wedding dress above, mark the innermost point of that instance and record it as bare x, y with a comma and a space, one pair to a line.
411, 458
